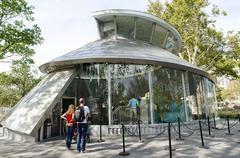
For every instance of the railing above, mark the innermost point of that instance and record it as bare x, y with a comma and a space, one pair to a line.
121, 115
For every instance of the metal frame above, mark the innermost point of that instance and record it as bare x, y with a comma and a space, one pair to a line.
151, 18
153, 31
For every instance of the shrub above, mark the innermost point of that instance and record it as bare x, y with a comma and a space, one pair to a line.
231, 113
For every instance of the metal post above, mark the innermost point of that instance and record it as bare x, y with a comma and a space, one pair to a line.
151, 94
209, 127
214, 121
100, 125
139, 131
184, 97
239, 121
200, 127
123, 153
209, 130
100, 131
169, 139
179, 130
109, 97
229, 132
139, 124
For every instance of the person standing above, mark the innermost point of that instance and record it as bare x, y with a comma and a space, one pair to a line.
68, 116
133, 103
82, 114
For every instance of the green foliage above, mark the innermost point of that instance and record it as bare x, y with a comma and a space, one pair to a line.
137, 87
203, 44
219, 94
232, 92
231, 113
16, 38
17, 83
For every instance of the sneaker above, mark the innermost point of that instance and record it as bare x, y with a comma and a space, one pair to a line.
83, 151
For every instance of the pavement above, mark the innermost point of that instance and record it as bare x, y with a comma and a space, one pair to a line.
220, 146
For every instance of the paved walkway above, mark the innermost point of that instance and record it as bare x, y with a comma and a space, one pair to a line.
221, 146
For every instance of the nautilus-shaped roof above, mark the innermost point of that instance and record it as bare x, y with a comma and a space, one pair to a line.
130, 37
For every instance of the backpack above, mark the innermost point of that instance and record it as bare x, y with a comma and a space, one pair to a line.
81, 114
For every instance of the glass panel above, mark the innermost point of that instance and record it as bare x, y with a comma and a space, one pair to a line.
168, 95
197, 97
95, 93
92, 86
125, 26
171, 43
56, 116
143, 30
159, 36
108, 29
70, 91
201, 98
189, 100
129, 91
210, 97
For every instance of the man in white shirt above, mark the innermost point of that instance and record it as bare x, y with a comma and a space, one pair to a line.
81, 114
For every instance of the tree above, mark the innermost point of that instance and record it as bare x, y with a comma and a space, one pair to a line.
16, 38
17, 83
203, 45
232, 92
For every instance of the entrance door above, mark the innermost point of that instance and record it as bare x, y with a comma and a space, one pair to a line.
65, 103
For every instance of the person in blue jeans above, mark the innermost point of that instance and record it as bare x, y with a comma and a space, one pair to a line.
82, 126
68, 116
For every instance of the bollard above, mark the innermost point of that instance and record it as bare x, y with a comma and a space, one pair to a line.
214, 122
200, 127
179, 131
100, 126
229, 132
169, 138
209, 128
123, 153
139, 131
100, 133
239, 121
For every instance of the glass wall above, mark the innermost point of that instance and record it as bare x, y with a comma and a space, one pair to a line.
201, 96
129, 86
140, 29
168, 97
124, 93
210, 97
90, 83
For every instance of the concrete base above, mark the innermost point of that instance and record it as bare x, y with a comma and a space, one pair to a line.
11, 135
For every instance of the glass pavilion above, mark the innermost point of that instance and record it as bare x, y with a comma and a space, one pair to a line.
135, 57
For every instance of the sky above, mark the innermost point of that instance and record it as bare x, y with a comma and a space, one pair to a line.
68, 25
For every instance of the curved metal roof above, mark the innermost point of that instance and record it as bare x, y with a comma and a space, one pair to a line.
106, 15
29, 114
120, 51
